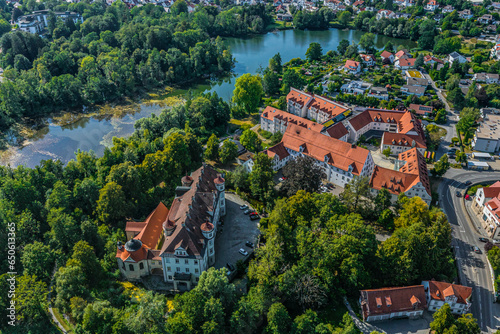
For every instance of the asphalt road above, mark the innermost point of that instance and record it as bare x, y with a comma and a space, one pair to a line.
473, 268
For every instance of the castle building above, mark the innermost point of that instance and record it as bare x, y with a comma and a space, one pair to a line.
177, 243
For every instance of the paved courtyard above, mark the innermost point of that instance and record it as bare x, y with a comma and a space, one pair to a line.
238, 228
406, 326
380, 159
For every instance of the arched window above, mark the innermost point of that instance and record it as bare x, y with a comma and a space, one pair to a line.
123, 266
131, 267
141, 266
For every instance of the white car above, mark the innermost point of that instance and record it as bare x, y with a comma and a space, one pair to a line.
243, 252
496, 241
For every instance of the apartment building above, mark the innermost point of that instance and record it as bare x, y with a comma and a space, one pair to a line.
487, 136
314, 107
440, 293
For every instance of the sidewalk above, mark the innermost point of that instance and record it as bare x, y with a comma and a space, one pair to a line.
474, 219
364, 327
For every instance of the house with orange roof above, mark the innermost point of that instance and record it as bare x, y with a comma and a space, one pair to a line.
399, 142
405, 63
440, 293
177, 244
341, 161
393, 303
421, 109
314, 107
275, 120
352, 67
387, 55
410, 177
368, 60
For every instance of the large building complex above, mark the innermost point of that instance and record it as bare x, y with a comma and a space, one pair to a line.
37, 21
314, 107
177, 244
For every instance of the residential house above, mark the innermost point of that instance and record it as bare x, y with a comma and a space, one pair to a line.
177, 244
38, 20
402, 54
410, 176
485, 19
387, 55
432, 60
487, 135
379, 93
404, 3
421, 110
487, 206
488, 78
341, 161
458, 297
352, 67
465, 14
491, 28
400, 15
448, 9
355, 87
495, 52
385, 14
413, 90
405, 63
393, 303
432, 5
274, 120
438, 17
368, 60
246, 160
412, 81
312, 106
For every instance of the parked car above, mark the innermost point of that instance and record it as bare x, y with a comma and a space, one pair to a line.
458, 194
247, 211
230, 266
467, 197
254, 217
477, 250
483, 239
243, 207
253, 213
496, 241
249, 244
468, 183
244, 252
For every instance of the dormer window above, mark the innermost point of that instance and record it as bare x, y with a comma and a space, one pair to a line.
301, 148
326, 158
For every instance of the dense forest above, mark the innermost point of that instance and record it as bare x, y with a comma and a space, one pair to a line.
116, 52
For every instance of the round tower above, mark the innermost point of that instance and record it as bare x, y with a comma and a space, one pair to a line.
220, 185
208, 231
168, 227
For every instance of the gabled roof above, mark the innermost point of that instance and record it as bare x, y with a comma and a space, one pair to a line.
394, 181
390, 300
298, 96
318, 146
492, 191
400, 139
351, 64
317, 102
386, 54
415, 164
420, 109
153, 226
277, 150
406, 61
441, 290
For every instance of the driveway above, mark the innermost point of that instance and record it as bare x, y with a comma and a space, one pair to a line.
238, 228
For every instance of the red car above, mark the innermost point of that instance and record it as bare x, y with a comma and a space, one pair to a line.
467, 197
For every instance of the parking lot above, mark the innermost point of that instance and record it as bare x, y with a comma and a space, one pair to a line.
238, 228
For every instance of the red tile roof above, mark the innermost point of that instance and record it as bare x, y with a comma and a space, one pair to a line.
492, 191
420, 109
386, 54
401, 53
389, 300
441, 290
340, 154
299, 97
415, 164
406, 62
279, 150
337, 131
394, 181
271, 113
375, 115
153, 229
351, 64
315, 101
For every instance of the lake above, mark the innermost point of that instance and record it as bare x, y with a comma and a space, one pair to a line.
61, 136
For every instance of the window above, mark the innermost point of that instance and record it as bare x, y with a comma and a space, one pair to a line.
186, 261
196, 270
131, 267
187, 270
176, 260
178, 269
169, 277
169, 269
123, 266
167, 260
141, 266
195, 261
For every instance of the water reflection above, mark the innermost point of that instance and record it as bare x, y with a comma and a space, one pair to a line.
60, 136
